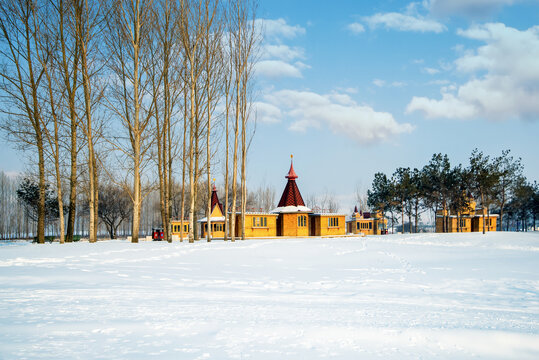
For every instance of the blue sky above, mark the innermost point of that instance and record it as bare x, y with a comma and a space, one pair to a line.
356, 87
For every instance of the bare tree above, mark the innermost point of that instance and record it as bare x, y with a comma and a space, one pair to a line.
68, 64
45, 51
242, 14
88, 19
22, 76
213, 78
192, 30
361, 196
129, 33
114, 207
166, 87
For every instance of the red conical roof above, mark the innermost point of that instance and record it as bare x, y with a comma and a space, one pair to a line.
291, 195
355, 209
291, 173
215, 199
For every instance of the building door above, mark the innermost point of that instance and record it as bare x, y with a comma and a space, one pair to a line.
313, 225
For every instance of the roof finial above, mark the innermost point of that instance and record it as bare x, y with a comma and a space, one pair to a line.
291, 173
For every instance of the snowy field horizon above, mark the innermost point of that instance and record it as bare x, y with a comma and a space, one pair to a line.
411, 296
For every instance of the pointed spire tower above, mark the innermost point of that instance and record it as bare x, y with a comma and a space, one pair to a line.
215, 198
291, 197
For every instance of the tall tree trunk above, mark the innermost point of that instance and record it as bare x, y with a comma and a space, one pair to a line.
235, 165
227, 107
502, 205
59, 183
483, 210
182, 206
208, 171
68, 76
244, 120
89, 134
42, 187
402, 216
416, 215
191, 160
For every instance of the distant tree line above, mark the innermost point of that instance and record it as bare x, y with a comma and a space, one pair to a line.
124, 99
18, 208
496, 184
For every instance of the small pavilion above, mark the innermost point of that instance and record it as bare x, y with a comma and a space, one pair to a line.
217, 218
293, 219
367, 223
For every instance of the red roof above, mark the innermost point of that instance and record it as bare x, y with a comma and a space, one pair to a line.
355, 209
291, 195
215, 199
291, 173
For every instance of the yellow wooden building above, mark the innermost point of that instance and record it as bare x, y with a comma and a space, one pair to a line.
470, 220
217, 218
367, 223
327, 224
257, 225
293, 215
176, 229
297, 220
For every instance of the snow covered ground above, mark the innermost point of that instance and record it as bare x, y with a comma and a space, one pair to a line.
384, 297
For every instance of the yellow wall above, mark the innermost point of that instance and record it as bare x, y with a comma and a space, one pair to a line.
363, 226
322, 228
216, 213
270, 230
176, 228
370, 226
469, 224
490, 223
214, 225
289, 225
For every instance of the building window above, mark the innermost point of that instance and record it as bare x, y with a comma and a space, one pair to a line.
260, 222
370, 225
333, 222
302, 220
357, 225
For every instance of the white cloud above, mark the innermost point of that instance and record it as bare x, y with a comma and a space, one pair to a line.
378, 82
267, 113
282, 52
279, 60
382, 83
438, 82
356, 28
398, 84
504, 77
449, 106
339, 113
431, 71
278, 28
404, 22
470, 8
276, 69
